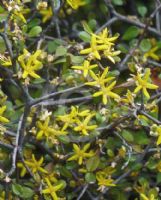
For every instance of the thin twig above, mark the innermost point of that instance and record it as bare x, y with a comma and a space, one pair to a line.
82, 193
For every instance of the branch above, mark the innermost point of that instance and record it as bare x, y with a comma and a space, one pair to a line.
14, 155
49, 96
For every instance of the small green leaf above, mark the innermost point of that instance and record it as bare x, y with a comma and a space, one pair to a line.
60, 60
38, 81
61, 182
22, 191
159, 177
127, 136
33, 23
2, 45
60, 51
130, 33
64, 139
53, 45
86, 27
99, 117
35, 31
118, 2
90, 178
145, 45
136, 166
141, 138
17, 189
92, 24
122, 48
110, 153
92, 163
65, 172
26, 193
84, 36
76, 59
142, 10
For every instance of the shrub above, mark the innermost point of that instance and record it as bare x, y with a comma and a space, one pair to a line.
80, 101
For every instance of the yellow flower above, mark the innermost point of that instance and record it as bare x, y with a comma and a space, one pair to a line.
80, 154
48, 131
155, 130
20, 15
51, 176
52, 189
3, 119
82, 126
30, 63
83, 113
104, 38
159, 135
100, 80
70, 118
47, 14
103, 180
151, 53
106, 92
143, 83
35, 165
110, 53
5, 61
94, 49
144, 197
18, 10
129, 98
75, 4
85, 68
23, 169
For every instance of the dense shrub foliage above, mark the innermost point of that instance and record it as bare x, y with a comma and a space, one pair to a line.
80, 114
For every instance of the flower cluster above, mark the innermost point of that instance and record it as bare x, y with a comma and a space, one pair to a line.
102, 45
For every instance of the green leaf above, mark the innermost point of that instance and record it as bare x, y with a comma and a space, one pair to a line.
61, 60
136, 166
122, 48
159, 177
35, 31
53, 45
85, 36
130, 33
26, 193
99, 117
33, 23
90, 178
38, 81
145, 45
86, 27
62, 182
17, 189
142, 10
65, 172
60, 51
92, 163
22, 191
118, 2
141, 138
110, 153
64, 139
76, 59
127, 135
60, 111
2, 45
92, 24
